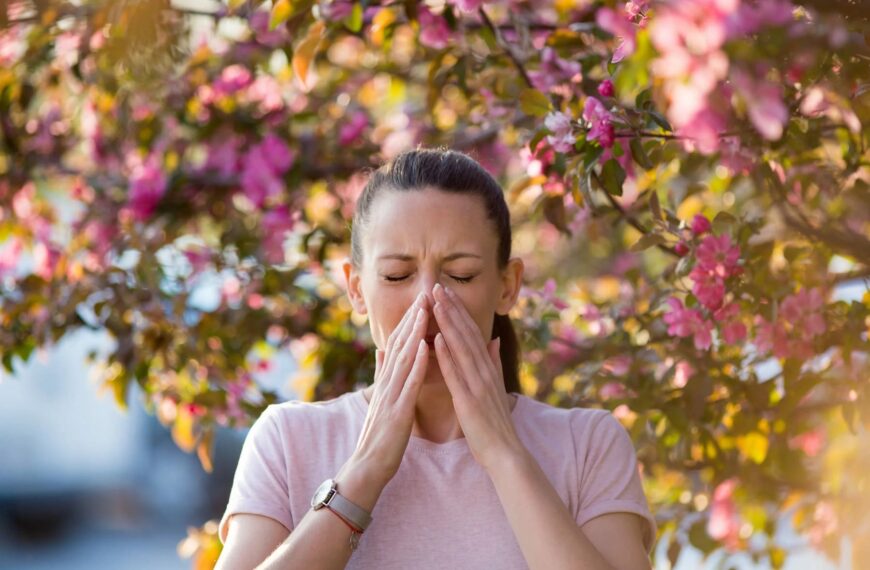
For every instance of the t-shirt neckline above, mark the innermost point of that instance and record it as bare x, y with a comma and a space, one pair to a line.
452, 447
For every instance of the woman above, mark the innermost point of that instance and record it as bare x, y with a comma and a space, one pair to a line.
441, 462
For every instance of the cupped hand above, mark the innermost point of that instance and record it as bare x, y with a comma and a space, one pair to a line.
472, 371
399, 372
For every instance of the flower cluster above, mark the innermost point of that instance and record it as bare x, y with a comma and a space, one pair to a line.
801, 318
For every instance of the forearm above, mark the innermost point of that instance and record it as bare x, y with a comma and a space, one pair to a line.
545, 530
321, 540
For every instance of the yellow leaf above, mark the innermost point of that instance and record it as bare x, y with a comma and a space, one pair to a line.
534, 103
281, 12
306, 51
753, 446
204, 450
182, 430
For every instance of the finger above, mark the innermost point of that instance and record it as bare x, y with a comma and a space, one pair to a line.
405, 359
466, 324
495, 355
412, 386
458, 342
399, 336
456, 385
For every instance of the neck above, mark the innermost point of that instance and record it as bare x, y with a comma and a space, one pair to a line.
434, 417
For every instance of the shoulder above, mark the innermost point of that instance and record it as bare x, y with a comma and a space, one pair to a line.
588, 430
578, 419
294, 415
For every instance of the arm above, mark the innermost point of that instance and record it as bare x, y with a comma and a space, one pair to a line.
546, 531
320, 540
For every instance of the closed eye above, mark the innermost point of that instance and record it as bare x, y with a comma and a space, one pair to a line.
457, 279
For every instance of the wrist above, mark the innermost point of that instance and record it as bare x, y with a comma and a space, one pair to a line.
507, 458
360, 484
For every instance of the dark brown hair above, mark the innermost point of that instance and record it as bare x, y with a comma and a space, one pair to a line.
449, 171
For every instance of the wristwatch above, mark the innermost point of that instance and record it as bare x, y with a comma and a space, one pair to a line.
327, 495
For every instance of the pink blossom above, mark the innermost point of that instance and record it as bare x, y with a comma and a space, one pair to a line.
232, 79
276, 223
732, 327
277, 154
223, 154
800, 320
605, 88
10, 253
612, 390
764, 103
353, 129
468, 5
683, 322
617, 365
752, 16
434, 31
262, 168
547, 294
599, 119
689, 36
23, 201
337, 10
724, 522
618, 23
148, 183
681, 249
708, 288
553, 70
259, 22
266, 92
811, 442
825, 522
259, 181
718, 256
45, 259
562, 138
700, 224
805, 310
683, 371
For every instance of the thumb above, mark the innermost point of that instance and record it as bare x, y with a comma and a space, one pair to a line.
379, 361
494, 348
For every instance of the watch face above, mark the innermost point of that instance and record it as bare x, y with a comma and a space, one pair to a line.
321, 494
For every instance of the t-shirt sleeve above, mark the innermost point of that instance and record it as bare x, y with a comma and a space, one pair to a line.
260, 484
610, 481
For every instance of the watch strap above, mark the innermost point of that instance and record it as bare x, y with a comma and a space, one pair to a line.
351, 512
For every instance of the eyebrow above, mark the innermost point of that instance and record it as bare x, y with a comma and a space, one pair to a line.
405, 257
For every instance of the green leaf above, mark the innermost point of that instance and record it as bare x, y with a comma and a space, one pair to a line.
660, 120
612, 176
723, 222
654, 206
646, 241
535, 103
639, 154
354, 20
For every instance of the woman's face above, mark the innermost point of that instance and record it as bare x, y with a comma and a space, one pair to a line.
416, 239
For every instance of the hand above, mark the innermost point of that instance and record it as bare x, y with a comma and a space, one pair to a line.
399, 373
473, 374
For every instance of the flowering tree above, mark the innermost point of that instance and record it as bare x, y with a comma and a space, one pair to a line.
696, 172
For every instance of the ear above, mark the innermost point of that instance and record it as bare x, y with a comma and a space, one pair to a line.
354, 289
511, 281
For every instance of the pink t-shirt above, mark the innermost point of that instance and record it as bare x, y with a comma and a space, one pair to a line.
441, 509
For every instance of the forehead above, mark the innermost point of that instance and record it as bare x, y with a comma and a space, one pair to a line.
429, 222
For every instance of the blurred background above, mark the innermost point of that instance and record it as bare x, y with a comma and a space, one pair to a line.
85, 485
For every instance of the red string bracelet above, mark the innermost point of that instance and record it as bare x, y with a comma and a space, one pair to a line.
341, 518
